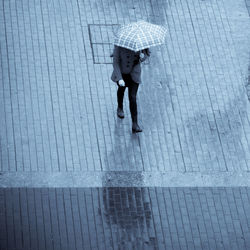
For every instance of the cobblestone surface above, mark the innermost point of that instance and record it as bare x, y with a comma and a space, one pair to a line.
125, 218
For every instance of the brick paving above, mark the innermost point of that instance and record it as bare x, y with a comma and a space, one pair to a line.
125, 218
58, 102
74, 177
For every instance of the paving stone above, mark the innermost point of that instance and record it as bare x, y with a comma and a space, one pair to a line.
59, 106
73, 176
61, 218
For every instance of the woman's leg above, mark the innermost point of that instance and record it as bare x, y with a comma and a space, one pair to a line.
132, 93
120, 95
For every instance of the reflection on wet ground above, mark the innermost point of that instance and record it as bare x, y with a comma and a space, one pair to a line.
126, 151
221, 136
128, 211
127, 218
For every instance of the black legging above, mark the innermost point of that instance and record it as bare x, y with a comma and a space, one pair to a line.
132, 91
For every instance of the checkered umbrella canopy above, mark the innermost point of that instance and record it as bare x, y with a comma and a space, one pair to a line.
140, 35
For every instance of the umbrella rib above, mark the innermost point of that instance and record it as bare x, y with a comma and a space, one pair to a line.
131, 37
139, 38
150, 33
127, 35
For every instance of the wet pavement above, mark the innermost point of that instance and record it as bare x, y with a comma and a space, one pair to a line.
73, 176
125, 218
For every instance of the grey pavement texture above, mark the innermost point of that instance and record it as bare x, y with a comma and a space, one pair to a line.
125, 179
125, 218
248, 6
58, 102
72, 176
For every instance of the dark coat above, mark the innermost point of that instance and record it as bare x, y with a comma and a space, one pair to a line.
126, 61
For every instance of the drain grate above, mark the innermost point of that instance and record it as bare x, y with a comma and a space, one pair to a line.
102, 42
101, 39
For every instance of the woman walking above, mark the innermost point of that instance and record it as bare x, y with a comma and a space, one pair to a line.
131, 48
127, 73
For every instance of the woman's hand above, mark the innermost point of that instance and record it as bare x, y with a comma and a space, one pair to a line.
121, 83
147, 52
144, 55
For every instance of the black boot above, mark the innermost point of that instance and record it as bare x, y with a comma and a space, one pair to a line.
120, 113
136, 128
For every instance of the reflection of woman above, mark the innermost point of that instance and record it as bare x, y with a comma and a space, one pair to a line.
129, 208
127, 73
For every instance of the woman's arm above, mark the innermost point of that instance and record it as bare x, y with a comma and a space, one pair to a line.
146, 53
116, 63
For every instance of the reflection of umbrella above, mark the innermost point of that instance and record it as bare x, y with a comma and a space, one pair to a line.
140, 35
